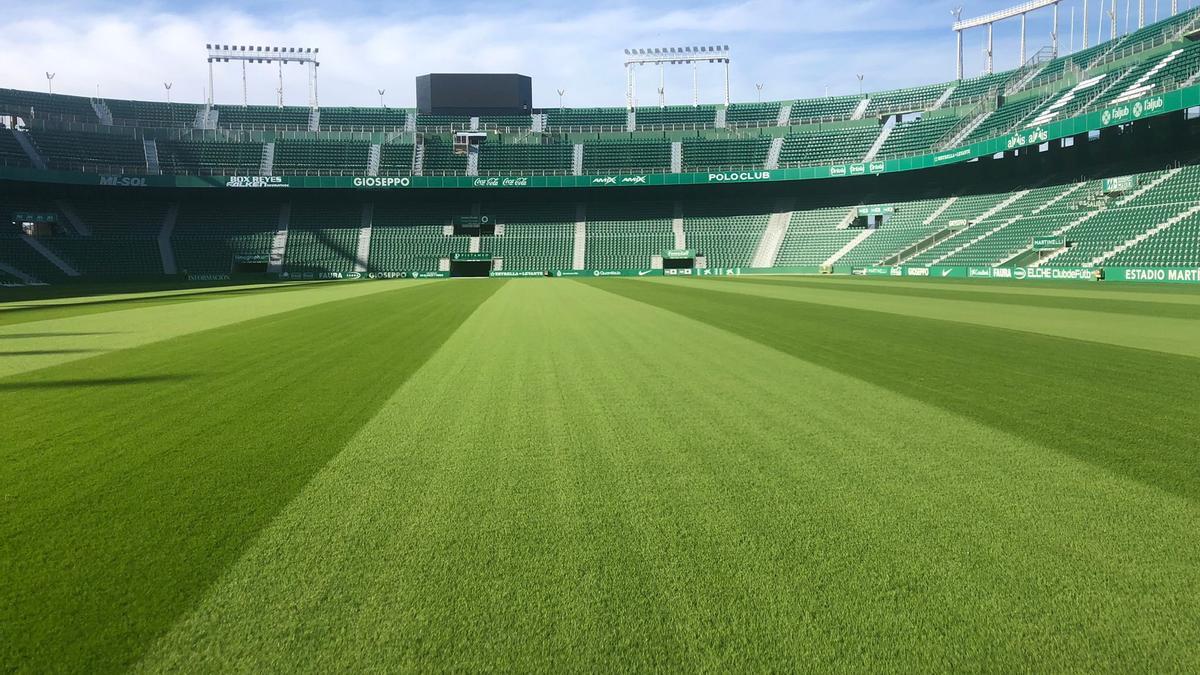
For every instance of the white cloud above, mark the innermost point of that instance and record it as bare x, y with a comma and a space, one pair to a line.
796, 48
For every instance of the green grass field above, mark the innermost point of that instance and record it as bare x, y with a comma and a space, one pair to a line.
557, 475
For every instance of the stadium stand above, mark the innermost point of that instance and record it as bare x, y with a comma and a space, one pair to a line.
625, 236
369, 118
989, 223
209, 157
210, 236
261, 116
412, 238
11, 153
626, 156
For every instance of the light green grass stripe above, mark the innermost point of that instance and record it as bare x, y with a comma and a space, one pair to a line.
25, 347
1172, 336
1168, 293
577, 482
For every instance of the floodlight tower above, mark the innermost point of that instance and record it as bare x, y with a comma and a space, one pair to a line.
957, 14
167, 86
306, 56
50, 81
672, 56
381, 93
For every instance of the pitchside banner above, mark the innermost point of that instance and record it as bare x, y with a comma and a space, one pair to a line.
1006, 273
1115, 115
1168, 275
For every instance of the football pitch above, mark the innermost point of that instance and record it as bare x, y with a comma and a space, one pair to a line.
764, 473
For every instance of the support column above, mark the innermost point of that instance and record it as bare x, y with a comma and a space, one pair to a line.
245, 97
695, 86
316, 88
1085, 24
1022, 61
1141, 13
662, 86
726, 82
989, 49
1054, 35
960, 54
628, 87
210, 83
1112, 20
281, 84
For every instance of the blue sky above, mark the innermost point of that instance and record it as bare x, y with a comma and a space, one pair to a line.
796, 48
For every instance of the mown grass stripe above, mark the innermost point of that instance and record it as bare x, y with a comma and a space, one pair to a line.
131, 479
58, 306
934, 289
1171, 336
140, 324
579, 482
1131, 411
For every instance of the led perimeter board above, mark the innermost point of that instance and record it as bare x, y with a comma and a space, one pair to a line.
474, 94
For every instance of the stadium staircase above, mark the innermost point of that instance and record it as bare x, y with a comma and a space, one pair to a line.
941, 101
165, 252
861, 109
51, 256
150, 149
31, 151
268, 160
280, 240
720, 117
773, 153
418, 158
577, 159
373, 159
677, 227
473, 160
928, 240
314, 119
72, 217
475, 245
850, 246
785, 115
977, 228
676, 157
773, 235
1130, 243
631, 121
884, 134
103, 113
17, 274
362, 254
579, 245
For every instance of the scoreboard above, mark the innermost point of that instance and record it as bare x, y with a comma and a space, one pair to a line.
474, 94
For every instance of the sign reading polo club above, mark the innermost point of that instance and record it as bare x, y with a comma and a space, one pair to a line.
739, 176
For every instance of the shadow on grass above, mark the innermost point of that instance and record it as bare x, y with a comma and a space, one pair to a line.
27, 336
99, 382
48, 352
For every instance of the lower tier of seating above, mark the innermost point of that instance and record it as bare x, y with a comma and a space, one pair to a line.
1146, 219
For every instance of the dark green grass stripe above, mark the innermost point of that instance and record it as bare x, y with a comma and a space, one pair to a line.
129, 481
1130, 411
24, 312
933, 289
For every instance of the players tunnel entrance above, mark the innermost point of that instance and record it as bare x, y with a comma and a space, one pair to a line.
471, 265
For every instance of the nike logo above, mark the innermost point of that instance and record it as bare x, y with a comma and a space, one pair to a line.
946, 273
644, 273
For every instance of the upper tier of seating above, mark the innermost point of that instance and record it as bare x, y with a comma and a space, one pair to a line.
82, 134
